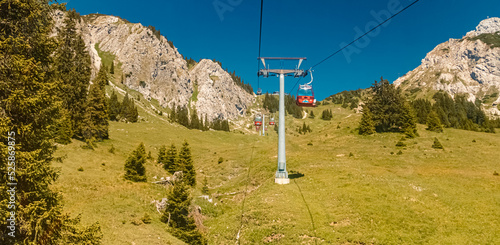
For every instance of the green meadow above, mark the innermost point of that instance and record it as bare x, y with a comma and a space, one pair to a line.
344, 188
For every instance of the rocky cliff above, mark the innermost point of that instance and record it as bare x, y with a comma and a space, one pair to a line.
150, 64
470, 65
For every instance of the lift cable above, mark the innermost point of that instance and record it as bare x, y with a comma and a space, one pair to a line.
260, 42
355, 40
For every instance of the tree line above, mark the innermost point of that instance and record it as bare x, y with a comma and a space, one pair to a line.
191, 120
271, 103
455, 112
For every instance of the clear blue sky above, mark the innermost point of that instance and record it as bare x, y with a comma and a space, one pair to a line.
313, 29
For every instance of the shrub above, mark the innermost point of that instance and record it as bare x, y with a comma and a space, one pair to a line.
350, 154
220, 160
112, 149
400, 152
495, 173
437, 144
146, 219
400, 144
80, 169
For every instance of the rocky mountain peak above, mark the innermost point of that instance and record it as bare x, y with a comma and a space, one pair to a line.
470, 66
150, 64
490, 25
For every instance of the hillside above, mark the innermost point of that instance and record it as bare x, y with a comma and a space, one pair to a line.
145, 61
470, 66
345, 188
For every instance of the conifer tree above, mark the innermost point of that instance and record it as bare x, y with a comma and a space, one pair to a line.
102, 77
114, 107
162, 155
134, 166
64, 128
205, 189
176, 215
185, 163
433, 122
408, 121
73, 71
367, 125
30, 105
311, 115
96, 115
170, 163
112, 68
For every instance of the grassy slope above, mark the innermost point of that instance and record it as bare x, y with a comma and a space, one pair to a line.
423, 196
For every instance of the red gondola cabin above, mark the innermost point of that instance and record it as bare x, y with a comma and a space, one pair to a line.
305, 96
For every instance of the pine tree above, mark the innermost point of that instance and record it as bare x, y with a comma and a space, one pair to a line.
96, 115
162, 155
185, 163
73, 71
171, 163
30, 106
437, 144
114, 107
134, 166
311, 115
102, 77
176, 215
205, 189
367, 125
112, 69
64, 128
408, 121
433, 122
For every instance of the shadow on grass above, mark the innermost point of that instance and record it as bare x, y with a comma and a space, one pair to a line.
295, 175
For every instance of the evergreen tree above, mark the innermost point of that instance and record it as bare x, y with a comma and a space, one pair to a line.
433, 122
96, 115
185, 163
102, 77
112, 69
311, 115
176, 215
205, 189
134, 166
64, 128
114, 107
195, 122
30, 106
408, 121
437, 144
367, 125
162, 155
73, 71
391, 112
170, 162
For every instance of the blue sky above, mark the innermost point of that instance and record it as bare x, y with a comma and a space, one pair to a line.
313, 29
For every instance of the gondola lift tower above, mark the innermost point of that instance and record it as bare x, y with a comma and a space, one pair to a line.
281, 174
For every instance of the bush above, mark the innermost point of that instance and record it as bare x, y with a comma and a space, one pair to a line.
400, 144
495, 173
146, 219
220, 160
350, 154
80, 169
437, 144
400, 152
112, 149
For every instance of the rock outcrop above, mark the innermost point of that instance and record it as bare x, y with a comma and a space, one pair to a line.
470, 65
151, 65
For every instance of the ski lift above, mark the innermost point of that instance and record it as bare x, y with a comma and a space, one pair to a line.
258, 120
305, 94
271, 121
259, 91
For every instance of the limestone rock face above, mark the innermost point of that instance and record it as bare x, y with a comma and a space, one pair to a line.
154, 67
460, 66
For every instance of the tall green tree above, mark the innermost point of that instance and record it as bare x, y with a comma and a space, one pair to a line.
96, 115
162, 154
134, 166
170, 162
72, 67
433, 122
30, 105
185, 163
114, 107
390, 110
367, 125
176, 215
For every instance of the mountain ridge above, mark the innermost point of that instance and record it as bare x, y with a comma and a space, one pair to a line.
150, 64
470, 66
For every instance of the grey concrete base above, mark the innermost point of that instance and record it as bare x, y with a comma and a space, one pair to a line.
282, 181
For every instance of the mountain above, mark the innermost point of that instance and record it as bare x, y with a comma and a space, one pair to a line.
470, 65
150, 64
